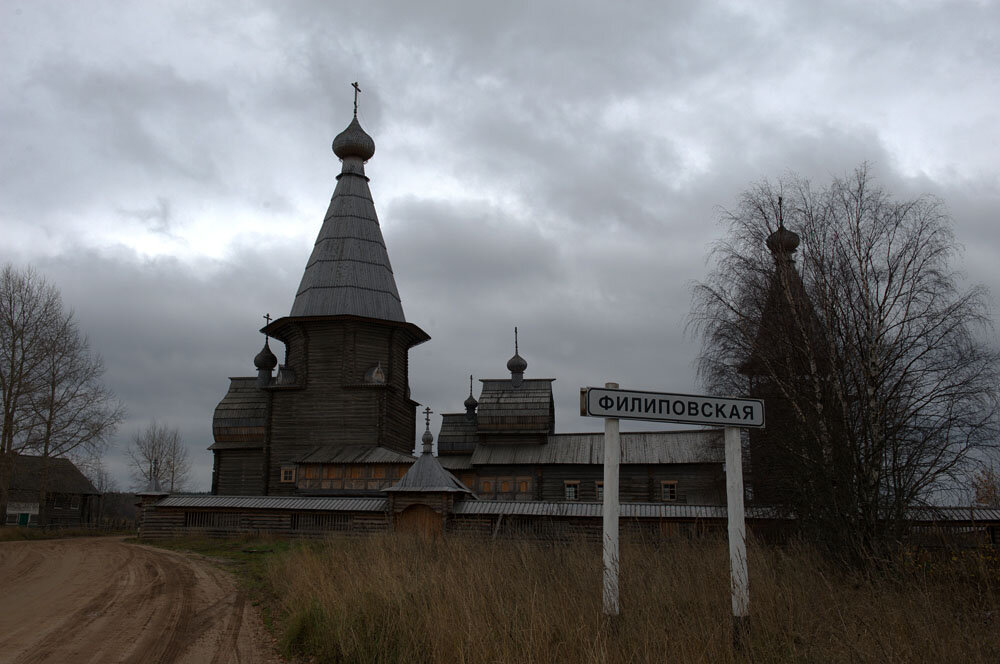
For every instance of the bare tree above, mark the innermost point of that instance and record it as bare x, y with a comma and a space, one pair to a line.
157, 451
72, 412
30, 309
870, 356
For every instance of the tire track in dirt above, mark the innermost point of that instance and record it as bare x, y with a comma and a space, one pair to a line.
104, 600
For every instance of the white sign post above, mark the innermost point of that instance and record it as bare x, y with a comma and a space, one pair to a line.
733, 414
612, 459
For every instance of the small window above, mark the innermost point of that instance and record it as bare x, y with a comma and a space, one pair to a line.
668, 490
378, 472
571, 489
524, 485
399, 471
599, 490
332, 472
486, 486
288, 473
311, 472
506, 484
357, 472
74, 502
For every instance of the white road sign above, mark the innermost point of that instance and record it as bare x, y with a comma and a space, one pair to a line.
664, 407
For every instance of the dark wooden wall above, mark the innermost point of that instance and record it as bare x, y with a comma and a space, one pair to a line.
697, 484
334, 405
238, 472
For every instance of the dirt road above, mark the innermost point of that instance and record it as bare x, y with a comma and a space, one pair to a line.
101, 600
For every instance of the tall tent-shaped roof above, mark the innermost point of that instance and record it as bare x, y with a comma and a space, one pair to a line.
349, 272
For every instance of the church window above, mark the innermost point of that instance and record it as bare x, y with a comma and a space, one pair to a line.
357, 472
506, 484
668, 490
288, 473
486, 486
599, 490
398, 471
311, 472
571, 489
524, 485
378, 472
332, 472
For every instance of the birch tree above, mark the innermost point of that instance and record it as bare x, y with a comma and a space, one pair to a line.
878, 370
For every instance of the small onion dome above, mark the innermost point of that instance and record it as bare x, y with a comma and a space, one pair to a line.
783, 241
354, 142
471, 403
517, 364
427, 439
265, 359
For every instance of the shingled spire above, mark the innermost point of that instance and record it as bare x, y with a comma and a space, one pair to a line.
348, 272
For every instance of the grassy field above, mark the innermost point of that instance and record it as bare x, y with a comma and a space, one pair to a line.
399, 599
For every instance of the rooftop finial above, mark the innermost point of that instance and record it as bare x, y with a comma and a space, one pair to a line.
428, 438
356, 91
782, 242
516, 365
470, 402
265, 360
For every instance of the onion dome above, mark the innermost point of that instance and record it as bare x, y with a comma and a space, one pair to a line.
516, 364
265, 359
782, 241
471, 403
354, 142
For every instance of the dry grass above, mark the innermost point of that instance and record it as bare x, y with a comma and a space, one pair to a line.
397, 599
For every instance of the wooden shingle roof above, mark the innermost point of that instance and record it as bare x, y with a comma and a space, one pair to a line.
240, 419
348, 272
527, 408
458, 434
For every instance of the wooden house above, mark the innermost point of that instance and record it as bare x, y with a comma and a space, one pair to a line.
70, 500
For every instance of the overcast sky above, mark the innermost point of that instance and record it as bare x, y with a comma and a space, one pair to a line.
559, 166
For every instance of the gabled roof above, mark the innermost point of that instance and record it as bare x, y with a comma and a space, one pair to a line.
427, 475
348, 272
527, 408
640, 447
63, 477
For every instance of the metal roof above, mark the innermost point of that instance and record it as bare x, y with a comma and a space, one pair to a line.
590, 510
349, 272
63, 477
276, 502
427, 475
640, 447
355, 454
455, 462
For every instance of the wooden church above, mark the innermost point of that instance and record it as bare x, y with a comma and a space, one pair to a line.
336, 417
